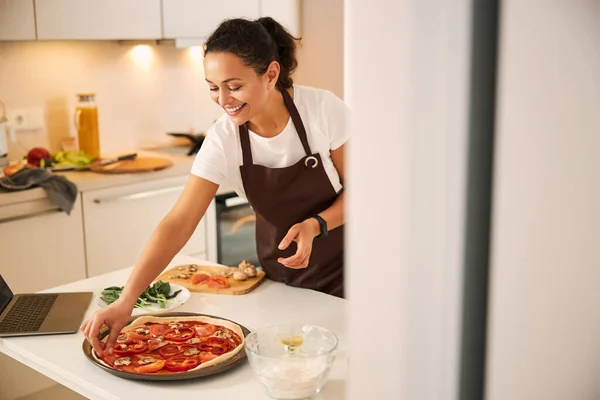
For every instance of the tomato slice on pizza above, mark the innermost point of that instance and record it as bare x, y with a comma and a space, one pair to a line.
215, 345
205, 330
169, 351
168, 345
158, 329
155, 344
130, 347
147, 363
179, 334
181, 363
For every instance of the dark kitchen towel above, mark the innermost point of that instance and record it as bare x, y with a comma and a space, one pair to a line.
61, 191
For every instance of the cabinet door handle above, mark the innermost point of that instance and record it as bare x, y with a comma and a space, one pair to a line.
30, 215
141, 195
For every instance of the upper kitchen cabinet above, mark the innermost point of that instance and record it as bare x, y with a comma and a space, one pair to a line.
198, 18
97, 20
17, 21
286, 12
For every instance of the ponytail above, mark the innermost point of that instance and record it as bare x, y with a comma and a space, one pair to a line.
285, 44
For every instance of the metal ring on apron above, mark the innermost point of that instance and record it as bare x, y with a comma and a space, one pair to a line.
316, 162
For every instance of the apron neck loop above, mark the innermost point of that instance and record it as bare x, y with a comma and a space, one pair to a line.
289, 103
245, 142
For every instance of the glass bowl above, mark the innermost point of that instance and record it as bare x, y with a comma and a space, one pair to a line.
292, 362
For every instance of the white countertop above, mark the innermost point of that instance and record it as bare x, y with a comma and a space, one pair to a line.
61, 358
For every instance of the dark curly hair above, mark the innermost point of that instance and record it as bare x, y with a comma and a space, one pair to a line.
257, 43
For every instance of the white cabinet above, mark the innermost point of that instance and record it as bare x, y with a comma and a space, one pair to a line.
40, 246
134, 19
119, 221
17, 21
286, 12
199, 18
92, 19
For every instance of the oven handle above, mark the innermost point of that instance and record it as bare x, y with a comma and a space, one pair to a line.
230, 200
235, 201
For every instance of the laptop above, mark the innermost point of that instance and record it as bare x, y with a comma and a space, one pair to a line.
40, 313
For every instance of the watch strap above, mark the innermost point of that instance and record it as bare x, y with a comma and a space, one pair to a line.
322, 226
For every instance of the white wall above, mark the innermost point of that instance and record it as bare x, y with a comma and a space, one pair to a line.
406, 80
143, 96
321, 55
140, 96
544, 333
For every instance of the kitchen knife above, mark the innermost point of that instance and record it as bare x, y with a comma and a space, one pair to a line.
131, 156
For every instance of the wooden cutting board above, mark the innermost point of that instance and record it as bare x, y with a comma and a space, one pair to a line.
236, 287
139, 164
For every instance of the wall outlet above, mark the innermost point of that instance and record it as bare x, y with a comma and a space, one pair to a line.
26, 119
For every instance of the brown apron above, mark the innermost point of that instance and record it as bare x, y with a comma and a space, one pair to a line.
282, 197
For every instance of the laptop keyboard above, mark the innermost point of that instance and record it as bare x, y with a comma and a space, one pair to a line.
27, 313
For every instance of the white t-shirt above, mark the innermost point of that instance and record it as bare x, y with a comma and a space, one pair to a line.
326, 120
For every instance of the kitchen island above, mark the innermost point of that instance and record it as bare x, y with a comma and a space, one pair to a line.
61, 358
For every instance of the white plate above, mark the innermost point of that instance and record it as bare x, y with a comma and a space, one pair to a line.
176, 301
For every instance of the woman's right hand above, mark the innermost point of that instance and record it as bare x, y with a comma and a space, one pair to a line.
115, 316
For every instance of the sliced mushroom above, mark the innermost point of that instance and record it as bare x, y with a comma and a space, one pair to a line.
147, 360
191, 352
123, 361
226, 272
222, 334
179, 276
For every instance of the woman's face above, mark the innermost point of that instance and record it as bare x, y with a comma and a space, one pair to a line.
236, 87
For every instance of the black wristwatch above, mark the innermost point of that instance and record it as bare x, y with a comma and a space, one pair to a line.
322, 226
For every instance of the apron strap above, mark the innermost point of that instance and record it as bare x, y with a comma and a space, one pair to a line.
296, 120
245, 142
289, 103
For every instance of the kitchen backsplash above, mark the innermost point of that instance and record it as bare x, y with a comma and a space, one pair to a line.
142, 91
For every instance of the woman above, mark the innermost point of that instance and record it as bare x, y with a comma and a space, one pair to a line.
278, 145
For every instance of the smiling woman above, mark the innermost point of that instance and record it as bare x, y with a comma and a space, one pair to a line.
278, 145
237, 53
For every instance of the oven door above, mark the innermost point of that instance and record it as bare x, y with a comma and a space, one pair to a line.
236, 230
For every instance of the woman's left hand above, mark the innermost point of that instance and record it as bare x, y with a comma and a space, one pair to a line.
303, 234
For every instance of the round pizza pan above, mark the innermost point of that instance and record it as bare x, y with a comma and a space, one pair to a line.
233, 362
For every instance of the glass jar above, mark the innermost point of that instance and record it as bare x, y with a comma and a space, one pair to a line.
86, 122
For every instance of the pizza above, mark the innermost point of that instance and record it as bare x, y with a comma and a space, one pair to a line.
168, 345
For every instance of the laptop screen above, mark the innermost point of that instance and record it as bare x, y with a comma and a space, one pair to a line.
6, 294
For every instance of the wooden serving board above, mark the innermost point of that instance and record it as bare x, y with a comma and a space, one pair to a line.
236, 287
139, 164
